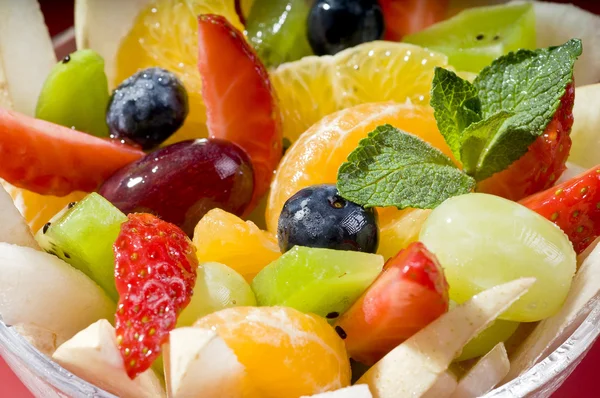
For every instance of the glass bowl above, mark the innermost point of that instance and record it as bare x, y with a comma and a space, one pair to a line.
47, 379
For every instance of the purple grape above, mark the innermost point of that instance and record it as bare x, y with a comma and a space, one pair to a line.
182, 182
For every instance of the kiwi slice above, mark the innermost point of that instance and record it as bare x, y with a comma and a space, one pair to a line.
475, 37
75, 94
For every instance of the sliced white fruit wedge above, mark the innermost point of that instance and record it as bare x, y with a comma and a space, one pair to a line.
42, 339
484, 375
412, 368
551, 332
443, 387
198, 363
93, 355
39, 289
585, 133
102, 24
13, 227
357, 391
26, 54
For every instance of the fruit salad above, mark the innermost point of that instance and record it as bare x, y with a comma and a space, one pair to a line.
294, 198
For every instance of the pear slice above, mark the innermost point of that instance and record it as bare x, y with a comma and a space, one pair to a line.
42, 339
412, 368
93, 355
443, 387
357, 391
484, 375
100, 25
40, 289
13, 227
586, 123
551, 332
26, 54
199, 363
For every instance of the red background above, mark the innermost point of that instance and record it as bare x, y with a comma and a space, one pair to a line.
59, 16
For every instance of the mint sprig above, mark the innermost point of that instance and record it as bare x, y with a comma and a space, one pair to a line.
488, 124
394, 168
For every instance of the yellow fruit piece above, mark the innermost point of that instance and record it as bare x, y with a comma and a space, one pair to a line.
165, 34
39, 209
398, 228
287, 354
317, 155
227, 239
314, 87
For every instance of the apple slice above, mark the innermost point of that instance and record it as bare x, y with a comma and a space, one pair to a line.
412, 368
101, 24
484, 375
199, 363
39, 289
551, 332
93, 355
26, 54
357, 391
13, 227
42, 339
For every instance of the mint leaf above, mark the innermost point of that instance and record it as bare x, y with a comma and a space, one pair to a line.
455, 104
528, 84
394, 168
477, 137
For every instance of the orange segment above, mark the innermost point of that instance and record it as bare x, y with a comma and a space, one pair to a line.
319, 152
39, 209
286, 353
165, 34
227, 239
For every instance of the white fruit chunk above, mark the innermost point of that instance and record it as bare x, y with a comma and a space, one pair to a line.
357, 391
198, 363
42, 339
443, 387
93, 355
484, 375
13, 227
39, 289
551, 332
101, 25
585, 133
412, 368
26, 54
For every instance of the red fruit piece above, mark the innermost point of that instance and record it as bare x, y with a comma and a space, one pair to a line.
155, 273
49, 159
410, 293
240, 101
574, 206
403, 17
545, 161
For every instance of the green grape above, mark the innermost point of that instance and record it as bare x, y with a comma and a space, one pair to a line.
217, 287
497, 332
483, 240
277, 30
75, 94
477, 36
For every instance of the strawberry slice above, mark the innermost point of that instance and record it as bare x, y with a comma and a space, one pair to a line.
155, 273
49, 159
240, 101
545, 161
574, 206
403, 17
410, 293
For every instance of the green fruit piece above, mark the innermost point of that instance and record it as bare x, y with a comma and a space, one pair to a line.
484, 240
83, 236
217, 287
497, 332
475, 37
75, 94
320, 281
277, 30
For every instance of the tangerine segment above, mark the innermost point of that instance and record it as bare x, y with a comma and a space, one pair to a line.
286, 353
227, 239
320, 151
165, 34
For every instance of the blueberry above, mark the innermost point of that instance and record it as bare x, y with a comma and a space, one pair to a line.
147, 108
334, 25
318, 216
